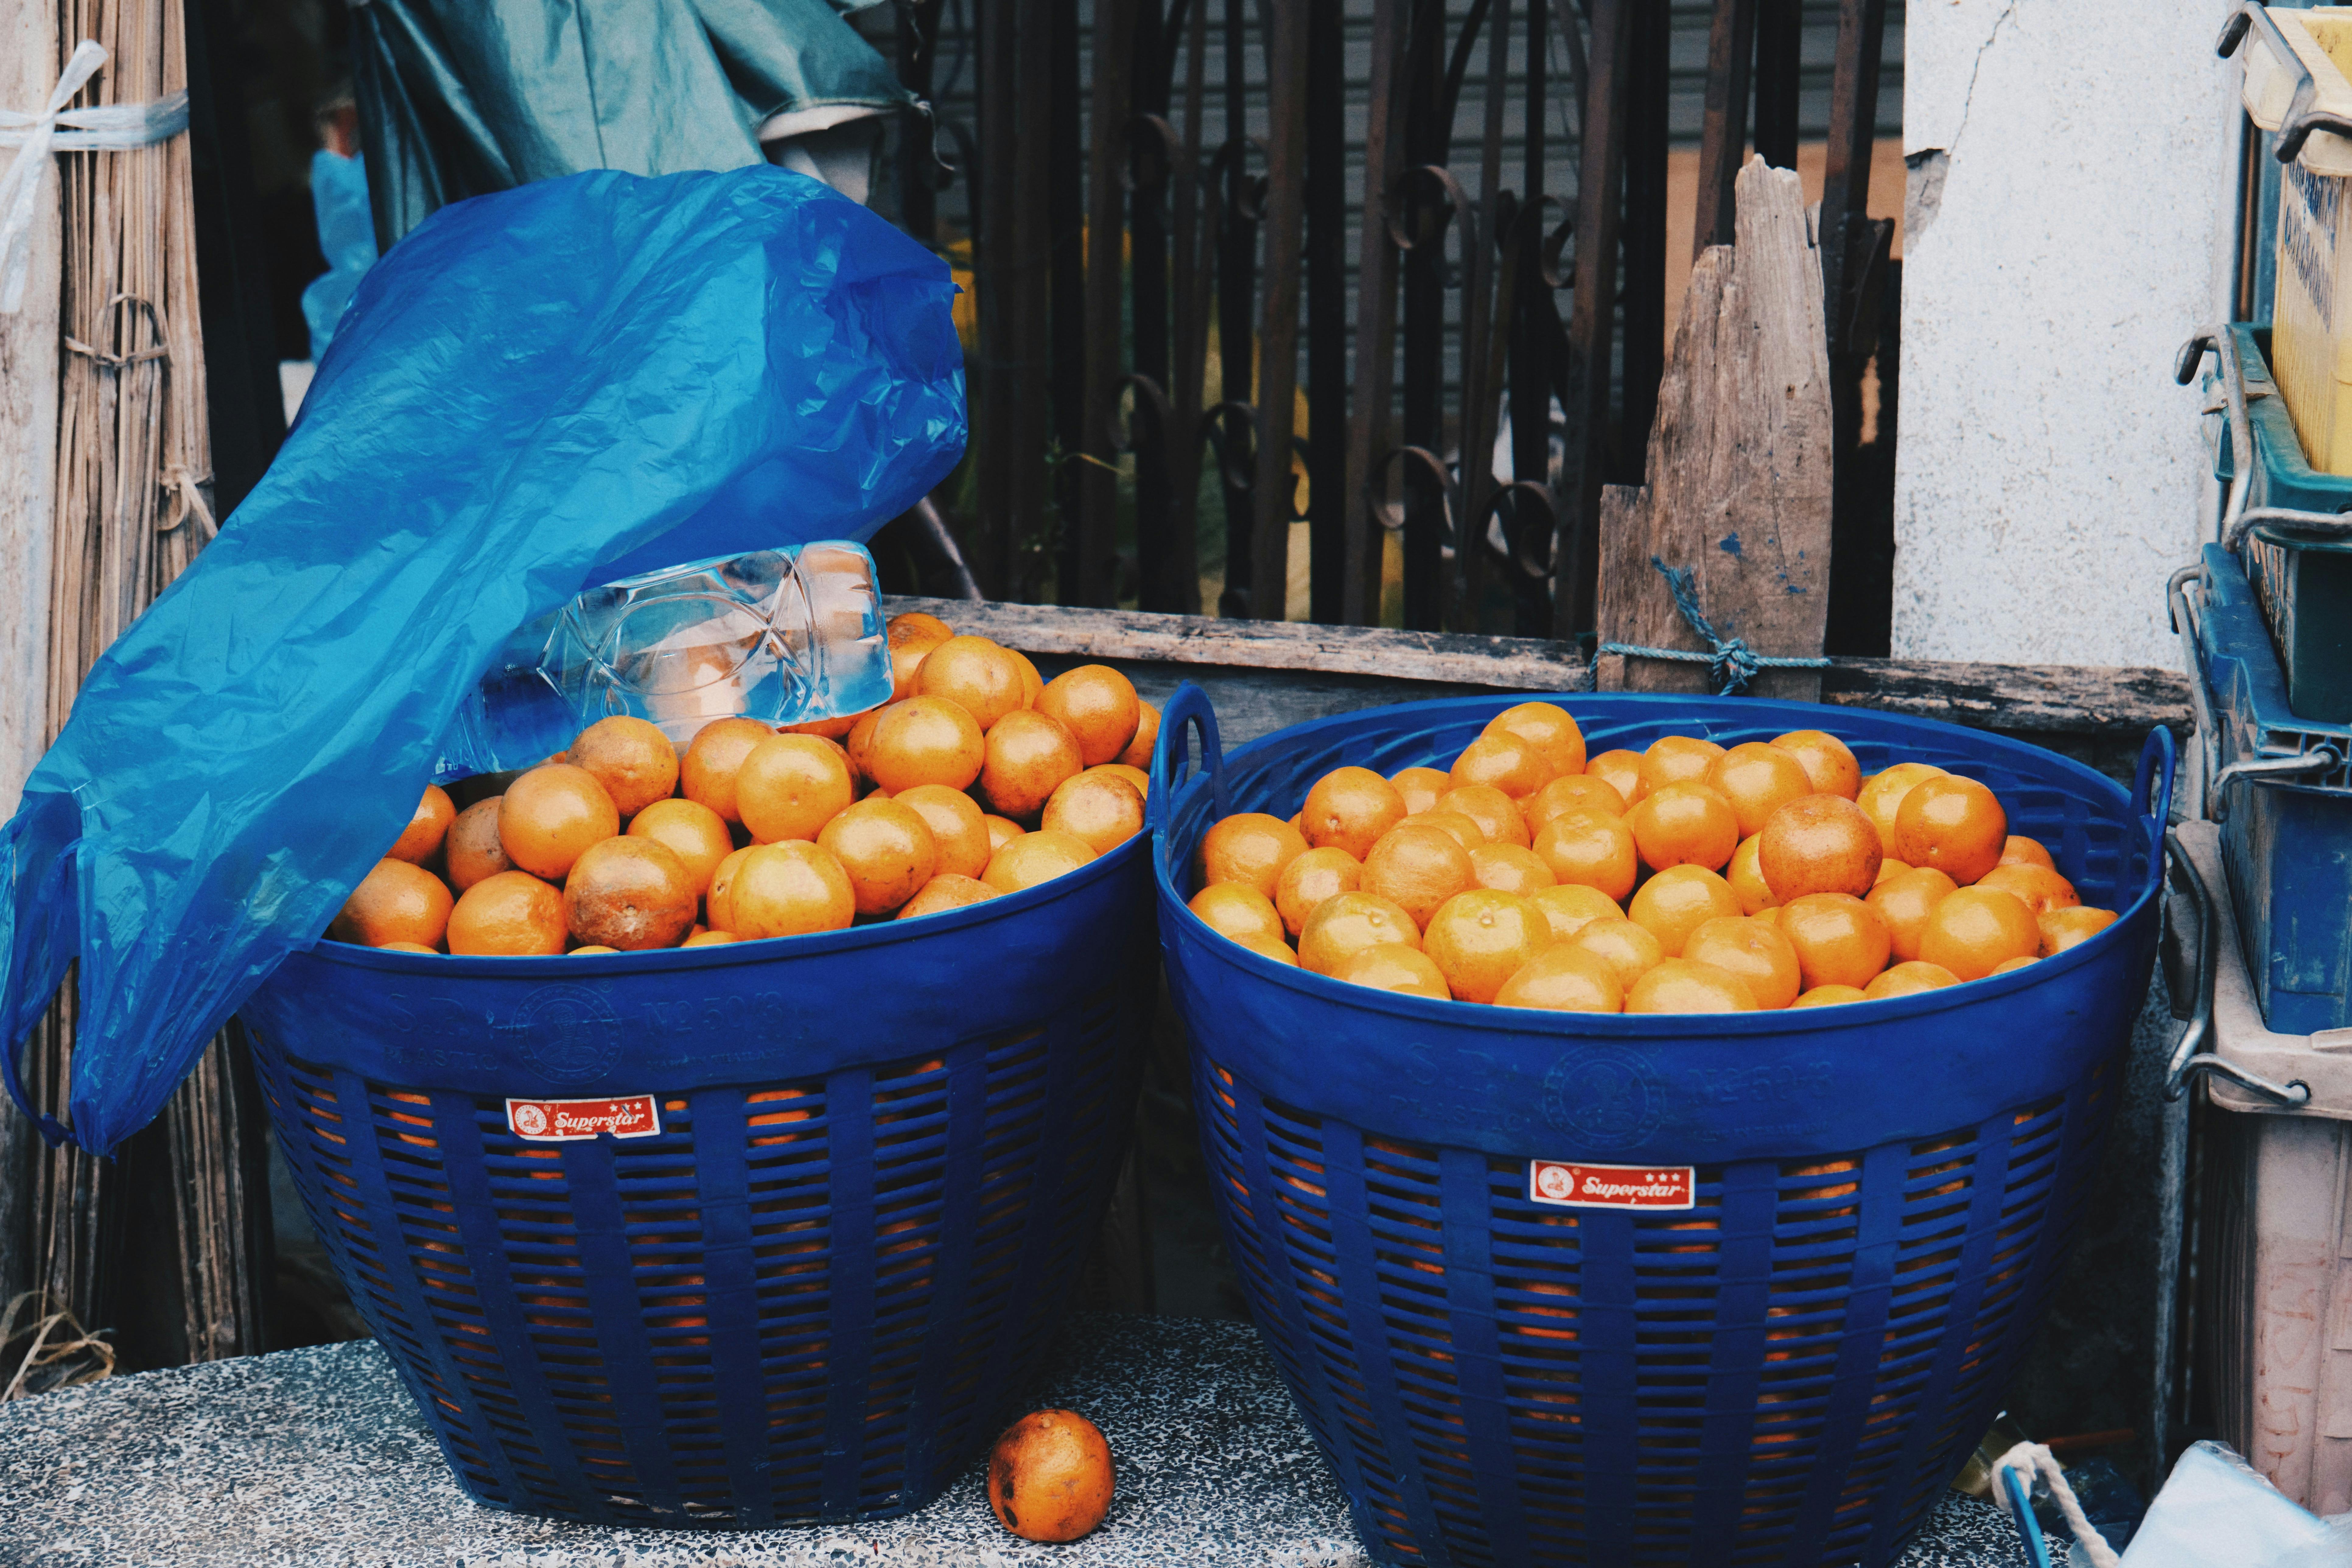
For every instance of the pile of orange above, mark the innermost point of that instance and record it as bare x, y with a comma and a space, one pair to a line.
977, 778
1684, 878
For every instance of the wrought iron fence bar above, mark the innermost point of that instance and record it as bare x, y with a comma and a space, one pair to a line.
1326, 310
1643, 361
1780, 59
1376, 290
1066, 285
1286, 211
1538, 356
1092, 476
1235, 196
1723, 136
1601, 178
994, 380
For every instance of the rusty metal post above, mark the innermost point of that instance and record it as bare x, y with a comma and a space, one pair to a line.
1376, 289
1600, 183
1278, 371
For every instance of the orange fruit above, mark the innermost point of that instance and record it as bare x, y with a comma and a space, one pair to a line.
1351, 808
630, 894
426, 828
1508, 868
1970, 931
1755, 952
1685, 823
1497, 813
922, 740
1770, 915
1420, 787
1250, 848
1890, 868
1568, 906
1629, 950
1570, 792
1278, 951
1035, 858
1620, 770
689, 830
707, 772
1909, 979
1881, 796
715, 903
1903, 903
1029, 755
1822, 844
1508, 762
2062, 928
1828, 761
1239, 912
858, 744
1466, 832
1417, 868
1101, 808
1344, 925
1673, 758
1147, 735
976, 675
704, 939
1758, 780
790, 888
1746, 875
916, 627
1677, 901
2011, 965
1682, 986
1003, 830
1831, 996
887, 851
512, 914
959, 828
1136, 779
2043, 889
824, 728
1591, 850
1394, 966
472, 842
1480, 939
1838, 939
2020, 851
1953, 824
1049, 1477
1032, 685
1305, 882
789, 787
912, 637
1548, 727
395, 901
1096, 704
948, 890
408, 947
631, 758
551, 815
1564, 978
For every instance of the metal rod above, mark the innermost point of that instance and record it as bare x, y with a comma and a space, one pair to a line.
1575, 555
1644, 358
1094, 476
1150, 152
995, 388
1278, 386
1845, 178
1528, 310
1376, 281
1326, 311
1236, 289
918, 190
1189, 308
1780, 62
1723, 135
1427, 135
1067, 306
2224, 346
1479, 414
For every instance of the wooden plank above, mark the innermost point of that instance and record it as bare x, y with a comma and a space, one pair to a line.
28, 427
2012, 696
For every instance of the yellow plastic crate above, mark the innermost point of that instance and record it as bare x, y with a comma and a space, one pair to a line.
2311, 329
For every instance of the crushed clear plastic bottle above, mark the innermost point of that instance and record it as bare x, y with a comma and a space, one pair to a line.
786, 637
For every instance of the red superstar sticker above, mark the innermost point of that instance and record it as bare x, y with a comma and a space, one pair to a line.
1566, 1185
569, 1121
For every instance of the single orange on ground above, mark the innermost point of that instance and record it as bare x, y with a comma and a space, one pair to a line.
977, 676
1147, 735
551, 815
707, 772
1096, 704
1344, 925
1508, 762
631, 758
427, 825
2021, 851
1822, 844
790, 888
1672, 758
1003, 830
948, 890
715, 905
1049, 1477
922, 740
1746, 875
689, 830
1953, 824
1591, 850
1831, 996
630, 894
1685, 823
1101, 808
2011, 965
1909, 979
1881, 797
1035, 858
1972, 930
959, 827
1497, 813
1241, 913
1550, 728
1508, 868
1758, 780
1249, 847
1568, 906
1417, 868
472, 842
512, 914
1351, 808
1480, 939
887, 851
1903, 904
1620, 770
2043, 889
1755, 952
2062, 928
1395, 967
1838, 939
1828, 761
1564, 978
1630, 951
789, 787
1684, 985
1570, 792
1677, 901
1466, 832
1420, 787
395, 901
1029, 755
1305, 882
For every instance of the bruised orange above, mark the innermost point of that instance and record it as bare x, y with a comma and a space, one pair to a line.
1569, 906
1497, 813
1683, 986
1351, 808
1100, 807
551, 815
1420, 788
1838, 939
1820, 844
959, 827
472, 844
1035, 858
790, 888
395, 901
1673, 758
1418, 869
512, 914
1903, 904
1028, 756
631, 758
1592, 849
1685, 822
886, 849
1481, 937
1049, 1477
630, 894
1954, 824
1395, 967
1762, 958
948, 890
1504, 761
1344, 925
689, 830
707, 772
1305, 882
922, 740
1249, 847
789, 787
1677, 901
1620, 770
1563, 978
1098, 706
1973, 930
1908, 980
1548, 727
427, 825
1630, 951
1240, 913
977, 676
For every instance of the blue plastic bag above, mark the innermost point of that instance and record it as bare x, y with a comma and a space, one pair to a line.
534, 393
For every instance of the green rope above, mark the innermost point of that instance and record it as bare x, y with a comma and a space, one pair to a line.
1730, 662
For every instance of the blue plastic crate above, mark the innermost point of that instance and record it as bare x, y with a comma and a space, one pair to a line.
1787, 1371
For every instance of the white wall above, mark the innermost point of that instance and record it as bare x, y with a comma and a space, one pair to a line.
2070, 162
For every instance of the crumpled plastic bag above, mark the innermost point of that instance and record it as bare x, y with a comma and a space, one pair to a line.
2217, 1511
534, 393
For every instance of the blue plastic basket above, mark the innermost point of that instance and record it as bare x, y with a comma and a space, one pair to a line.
1788, 1371
881, 1157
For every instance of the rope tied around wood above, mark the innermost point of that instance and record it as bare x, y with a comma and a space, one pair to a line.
1732, 664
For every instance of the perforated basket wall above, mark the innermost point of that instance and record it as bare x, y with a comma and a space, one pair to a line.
1787, 1372
883, 1155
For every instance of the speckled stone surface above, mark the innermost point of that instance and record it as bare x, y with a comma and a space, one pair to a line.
315, 1457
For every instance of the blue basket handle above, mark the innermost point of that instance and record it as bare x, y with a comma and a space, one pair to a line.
1171, 758
2159, 759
